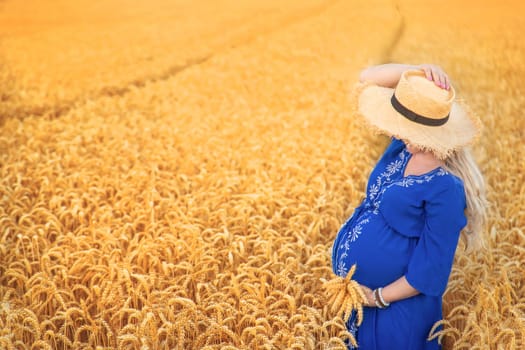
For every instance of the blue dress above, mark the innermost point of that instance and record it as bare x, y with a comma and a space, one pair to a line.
406, 226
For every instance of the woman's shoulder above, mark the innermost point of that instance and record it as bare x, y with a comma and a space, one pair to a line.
446, 187
449, 180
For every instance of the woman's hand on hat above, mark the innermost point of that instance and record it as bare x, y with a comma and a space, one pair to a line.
437, 74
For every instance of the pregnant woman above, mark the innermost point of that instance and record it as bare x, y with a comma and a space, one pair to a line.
424, 192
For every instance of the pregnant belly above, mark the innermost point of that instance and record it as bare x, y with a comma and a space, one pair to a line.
381, 253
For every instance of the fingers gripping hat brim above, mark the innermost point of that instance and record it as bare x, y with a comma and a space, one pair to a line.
461, 129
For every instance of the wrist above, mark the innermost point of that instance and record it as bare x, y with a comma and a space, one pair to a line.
379, 300
370, 298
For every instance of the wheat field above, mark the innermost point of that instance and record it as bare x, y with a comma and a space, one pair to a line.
173, 173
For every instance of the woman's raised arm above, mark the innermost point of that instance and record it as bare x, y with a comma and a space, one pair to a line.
388, 74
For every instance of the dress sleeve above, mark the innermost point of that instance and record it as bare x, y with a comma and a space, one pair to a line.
431, 262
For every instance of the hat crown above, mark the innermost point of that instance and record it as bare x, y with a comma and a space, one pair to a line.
422, 96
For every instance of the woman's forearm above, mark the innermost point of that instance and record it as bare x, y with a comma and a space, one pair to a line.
398, 290
386, 75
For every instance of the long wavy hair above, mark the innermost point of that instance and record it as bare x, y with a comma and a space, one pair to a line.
462, 164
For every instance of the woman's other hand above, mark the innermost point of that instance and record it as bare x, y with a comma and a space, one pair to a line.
437, 74
369, 293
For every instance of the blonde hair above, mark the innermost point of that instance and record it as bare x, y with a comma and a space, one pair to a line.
462, 164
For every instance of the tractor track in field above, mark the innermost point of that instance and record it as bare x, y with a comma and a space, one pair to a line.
386, 56
62, 108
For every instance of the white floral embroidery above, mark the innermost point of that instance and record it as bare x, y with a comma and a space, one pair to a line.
394, 167
352, 328
384, 179
375, 193
405, 182
391, 169
409, 181
356, 231
374, 189
341, 268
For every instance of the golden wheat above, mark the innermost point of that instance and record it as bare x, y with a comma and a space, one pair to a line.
174, 177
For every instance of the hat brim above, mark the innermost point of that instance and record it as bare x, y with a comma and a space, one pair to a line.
459, 131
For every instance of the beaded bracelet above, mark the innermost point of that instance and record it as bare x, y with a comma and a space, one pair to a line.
375, 299
378, 299
380, 293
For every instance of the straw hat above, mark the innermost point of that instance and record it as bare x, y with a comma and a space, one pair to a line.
419, 112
